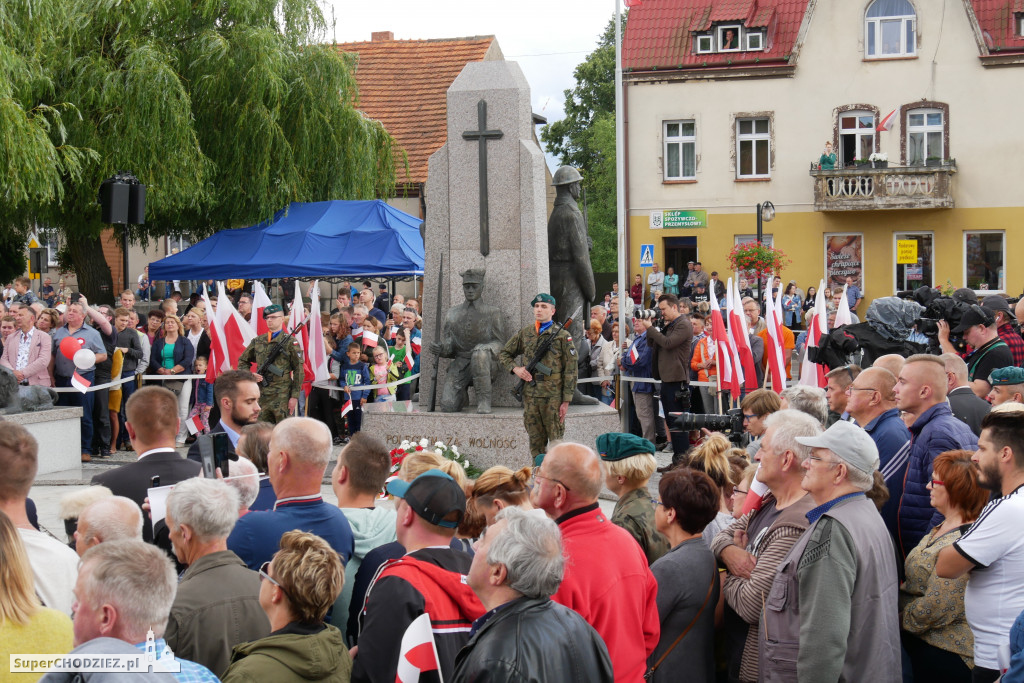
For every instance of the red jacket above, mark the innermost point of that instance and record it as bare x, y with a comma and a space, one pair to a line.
607, 581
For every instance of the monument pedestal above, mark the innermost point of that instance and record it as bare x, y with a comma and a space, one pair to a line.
487, 440
59, 433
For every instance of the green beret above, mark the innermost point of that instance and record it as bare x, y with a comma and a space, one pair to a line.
1006, 376
271, 310
539, 460
543, 298
617, 446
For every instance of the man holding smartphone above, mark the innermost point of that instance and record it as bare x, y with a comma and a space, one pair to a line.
237, 395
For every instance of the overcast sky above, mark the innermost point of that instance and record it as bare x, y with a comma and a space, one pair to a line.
548, 38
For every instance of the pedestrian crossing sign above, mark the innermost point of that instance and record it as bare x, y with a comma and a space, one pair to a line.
646, 255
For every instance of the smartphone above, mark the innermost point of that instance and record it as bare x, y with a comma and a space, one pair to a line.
214, 449
154, 481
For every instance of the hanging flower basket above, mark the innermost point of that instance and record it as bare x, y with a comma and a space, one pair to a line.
760, 258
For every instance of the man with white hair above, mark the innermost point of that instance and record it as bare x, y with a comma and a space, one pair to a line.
526, 636
217, 605
245, 479
753, 546
806, 399
299, 450
122, 598
114, 518
832, 612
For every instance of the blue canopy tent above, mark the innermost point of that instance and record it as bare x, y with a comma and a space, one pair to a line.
314, 239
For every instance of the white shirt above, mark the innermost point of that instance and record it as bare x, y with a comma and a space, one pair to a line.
55, 567
995, 591
656, 281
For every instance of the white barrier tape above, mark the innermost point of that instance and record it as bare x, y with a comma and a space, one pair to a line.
119, 382
334, 388
649, 380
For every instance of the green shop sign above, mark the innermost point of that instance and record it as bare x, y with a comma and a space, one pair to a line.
679, 219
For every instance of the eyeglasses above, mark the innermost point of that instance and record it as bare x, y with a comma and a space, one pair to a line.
852, 388
264, 575
655, 502
816, 458
538, 475
748, 417
936, 482
739, 492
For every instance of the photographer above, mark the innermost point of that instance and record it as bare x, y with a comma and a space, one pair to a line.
671, 362
978, 328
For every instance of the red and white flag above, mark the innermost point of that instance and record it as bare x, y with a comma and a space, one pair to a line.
886, 123
347, 407
357, 333
811, 373
633, 355
843, 314
741, 336
297, 316
370, 338
79, 382
415, 342
632, 3
410, 360
417, 658
260, 300
229, 334
392, 332
194, 424
316, 353
721, 338
774, 347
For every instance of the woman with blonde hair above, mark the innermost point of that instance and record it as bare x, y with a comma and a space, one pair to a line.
25, 625
712, 458
499, 488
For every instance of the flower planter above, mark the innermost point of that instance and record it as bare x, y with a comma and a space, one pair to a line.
879, 164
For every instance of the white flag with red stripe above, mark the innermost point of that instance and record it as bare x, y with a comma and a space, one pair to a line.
297, 316
370, 338
415, 342
811, 373
417, 658
229, 334
843, 314
773, 348
736, 380
741, 335
357, 333
79, 382
194, 424
347, 407
634, 356
886, 123
721, 339
260, 300
317, 349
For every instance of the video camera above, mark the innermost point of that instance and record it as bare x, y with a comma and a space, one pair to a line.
652, 314
730, 424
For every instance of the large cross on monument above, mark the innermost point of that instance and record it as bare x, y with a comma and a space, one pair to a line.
483, 135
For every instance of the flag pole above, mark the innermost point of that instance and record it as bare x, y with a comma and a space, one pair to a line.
620, 204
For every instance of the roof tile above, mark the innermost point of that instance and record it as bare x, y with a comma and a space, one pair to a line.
998, 25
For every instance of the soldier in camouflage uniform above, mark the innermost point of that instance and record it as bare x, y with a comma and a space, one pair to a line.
546, 401
630, 462
280, 397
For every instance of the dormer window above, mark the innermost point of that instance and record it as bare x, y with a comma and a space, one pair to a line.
755, 41
729, 38
705, 43
890, 29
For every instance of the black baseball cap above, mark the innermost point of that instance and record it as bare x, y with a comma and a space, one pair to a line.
976, 315
433, 496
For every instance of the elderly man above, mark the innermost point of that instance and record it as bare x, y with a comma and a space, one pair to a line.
978, 328
566, 487
810, 400
299, 450
237, 395
122, 599
832, 611
525, 636
992, 550
152, 424
429, 579
753, 546
54, 565
751, 309
1007, 385
114, 518
967, 406
921, 395
217, 605
64, 368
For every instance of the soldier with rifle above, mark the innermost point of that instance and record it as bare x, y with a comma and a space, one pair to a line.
548, 373
278, 367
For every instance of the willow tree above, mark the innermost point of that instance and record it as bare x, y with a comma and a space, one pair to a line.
227, 110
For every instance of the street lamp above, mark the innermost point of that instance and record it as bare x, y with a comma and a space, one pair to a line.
765, 213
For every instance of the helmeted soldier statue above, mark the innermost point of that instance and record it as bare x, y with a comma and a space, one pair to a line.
472, 335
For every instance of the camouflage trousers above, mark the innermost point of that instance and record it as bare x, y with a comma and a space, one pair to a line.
540, 417
273, 405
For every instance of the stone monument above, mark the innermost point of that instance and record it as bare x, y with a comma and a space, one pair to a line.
486, 210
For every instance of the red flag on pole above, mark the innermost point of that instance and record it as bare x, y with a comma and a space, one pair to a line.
811, 373
773, 344
740, 335
721, 339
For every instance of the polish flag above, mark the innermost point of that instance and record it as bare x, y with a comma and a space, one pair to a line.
392, 332
415, 343
194, 425
773, 349
357, 333
417, 659
633, 355
229, 334
79, 382
316, 353
370, 338
721, 338
346, 408
632, 3
260, 300
843, 314
297, 316
410, 361
741, 337
886, 123
811, 373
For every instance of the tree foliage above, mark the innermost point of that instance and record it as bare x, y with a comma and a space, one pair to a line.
585, 139
226, 111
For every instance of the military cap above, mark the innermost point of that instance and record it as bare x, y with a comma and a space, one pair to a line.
543, 298
538, 460
618, 446
1006, 376
473, 275
271, 310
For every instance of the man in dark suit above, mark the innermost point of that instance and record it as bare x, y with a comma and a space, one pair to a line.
966, 405
237, 395
152, 423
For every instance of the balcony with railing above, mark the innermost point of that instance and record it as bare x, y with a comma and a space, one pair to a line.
898, 187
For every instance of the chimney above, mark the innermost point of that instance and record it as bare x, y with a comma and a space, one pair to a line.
379, 36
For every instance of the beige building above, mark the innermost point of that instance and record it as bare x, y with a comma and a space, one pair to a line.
729, 105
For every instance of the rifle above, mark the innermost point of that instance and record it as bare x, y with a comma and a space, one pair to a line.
275, 351
437, 333
535, 366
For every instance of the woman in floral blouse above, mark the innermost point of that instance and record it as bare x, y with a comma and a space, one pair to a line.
935, 633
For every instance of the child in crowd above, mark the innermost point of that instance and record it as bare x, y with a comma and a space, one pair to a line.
381, 371
400, 367
353, 372
204, 396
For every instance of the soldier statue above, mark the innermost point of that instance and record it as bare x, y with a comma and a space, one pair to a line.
572, 277
546, 401
284, 376
472, 335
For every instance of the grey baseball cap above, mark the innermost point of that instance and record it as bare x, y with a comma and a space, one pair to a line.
849, 442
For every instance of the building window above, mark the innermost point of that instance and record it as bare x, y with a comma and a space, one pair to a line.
910, 276
755, 41
890, 29
705, 43
753, 142
1019, 23
856, 136
680, 150
729, 38
984, 260
925, 128
176, 243
48, 239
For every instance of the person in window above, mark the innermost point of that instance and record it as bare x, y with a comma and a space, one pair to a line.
729, 43
827, 162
